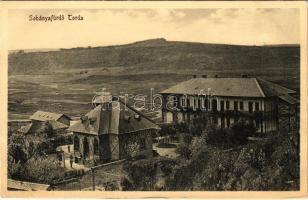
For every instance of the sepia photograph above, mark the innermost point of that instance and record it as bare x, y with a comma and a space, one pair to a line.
155, 98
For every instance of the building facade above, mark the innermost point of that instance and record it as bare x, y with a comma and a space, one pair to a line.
226, 101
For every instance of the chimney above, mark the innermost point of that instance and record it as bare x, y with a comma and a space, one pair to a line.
244, 76
194, 76
204, 76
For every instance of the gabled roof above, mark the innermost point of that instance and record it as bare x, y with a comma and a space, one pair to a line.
30, 128
25, 129
26, 186
113, 118
235, 87
46, 116
57, 125
273, 89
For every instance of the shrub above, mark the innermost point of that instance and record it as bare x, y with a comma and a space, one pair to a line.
15, 169
230, 137
241, 131
183, 150
17, 149
167, 129
43, 170
186, 138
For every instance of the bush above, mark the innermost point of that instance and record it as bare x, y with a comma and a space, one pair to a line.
15, 169
241, 131
186, 138
144, 174
17, 148
167, 129
230, 137
43, 170
183, 150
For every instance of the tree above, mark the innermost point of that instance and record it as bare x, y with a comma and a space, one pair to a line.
17, 148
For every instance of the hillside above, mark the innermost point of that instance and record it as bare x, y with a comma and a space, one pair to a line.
158, 55
65, 80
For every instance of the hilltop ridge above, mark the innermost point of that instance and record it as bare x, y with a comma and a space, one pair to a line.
159, 55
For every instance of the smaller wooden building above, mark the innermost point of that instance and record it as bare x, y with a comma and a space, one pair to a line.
40, 121
112, 131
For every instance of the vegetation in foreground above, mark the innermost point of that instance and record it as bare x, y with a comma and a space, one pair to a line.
218, 161
210, 159
33, 157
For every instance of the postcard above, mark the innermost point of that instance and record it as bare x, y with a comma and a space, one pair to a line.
154, 99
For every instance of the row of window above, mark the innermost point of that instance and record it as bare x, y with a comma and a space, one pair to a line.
227, 124
239, 105
203, 103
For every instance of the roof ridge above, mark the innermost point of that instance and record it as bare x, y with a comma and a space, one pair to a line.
138, 112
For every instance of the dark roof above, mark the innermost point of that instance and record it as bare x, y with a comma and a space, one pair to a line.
26, 186
236, 87
289, 99
273, 89
30, 128
113, 117
46, 116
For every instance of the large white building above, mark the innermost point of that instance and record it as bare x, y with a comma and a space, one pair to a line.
228, 100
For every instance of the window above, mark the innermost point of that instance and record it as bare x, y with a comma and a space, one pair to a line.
256, 106
250, 107
188, 102
227, 105
241, 106
183, 102
172, 101
228, 122
214, 105
235, 105
200, 103
215, 120
222, 122
257, 123
206, 104
222, 105
195, 103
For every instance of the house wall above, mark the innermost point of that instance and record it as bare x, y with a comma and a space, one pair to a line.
114, 146
136, 144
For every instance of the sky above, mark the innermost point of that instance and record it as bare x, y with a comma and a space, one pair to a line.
248, 26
